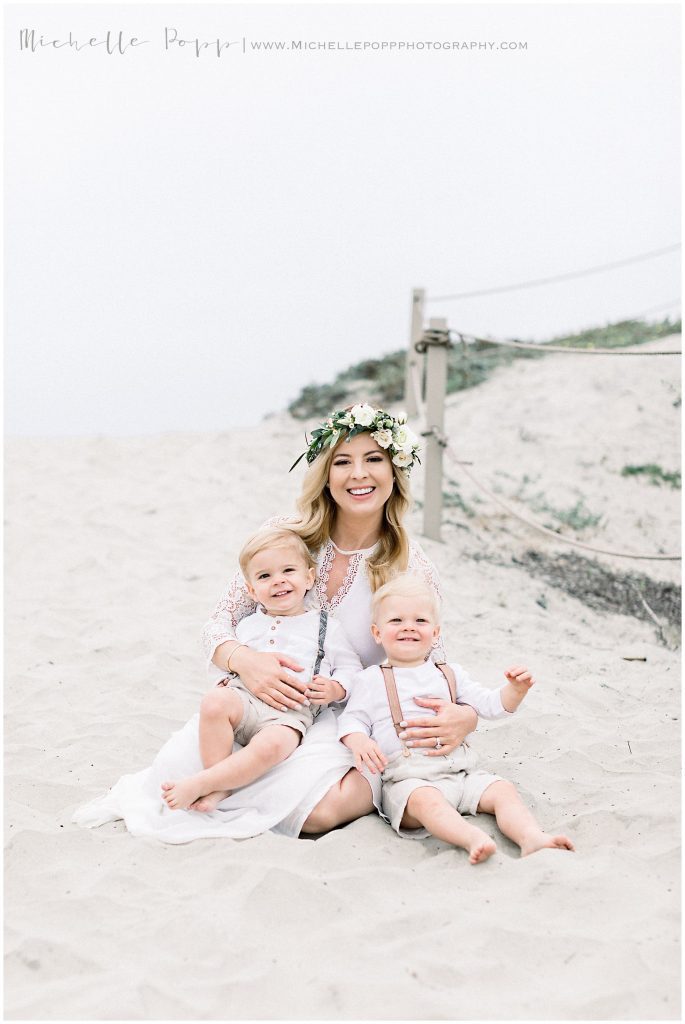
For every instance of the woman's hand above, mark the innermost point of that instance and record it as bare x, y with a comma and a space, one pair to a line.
266, 676
451, 724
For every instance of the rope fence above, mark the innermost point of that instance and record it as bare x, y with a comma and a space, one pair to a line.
531, 347
530, 521
569, 276
437, 339
434, 342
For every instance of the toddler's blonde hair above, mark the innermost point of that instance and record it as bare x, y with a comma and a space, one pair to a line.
273, 537
407, 584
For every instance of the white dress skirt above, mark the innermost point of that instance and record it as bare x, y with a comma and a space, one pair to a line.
283, 798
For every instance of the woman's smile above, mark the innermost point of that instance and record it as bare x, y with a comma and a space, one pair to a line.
360, 475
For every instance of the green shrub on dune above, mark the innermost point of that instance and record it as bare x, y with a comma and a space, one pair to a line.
381, 381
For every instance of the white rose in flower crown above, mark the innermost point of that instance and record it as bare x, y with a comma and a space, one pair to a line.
363, 415
382, 437
404, 438
403, 459
401, 417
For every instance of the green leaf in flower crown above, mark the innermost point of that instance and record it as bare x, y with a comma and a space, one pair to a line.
340, 425
296, 461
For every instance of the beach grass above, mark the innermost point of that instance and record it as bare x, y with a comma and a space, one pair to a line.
381, 380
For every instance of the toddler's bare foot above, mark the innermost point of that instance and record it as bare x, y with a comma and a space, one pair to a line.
180, 795
210, 802
480, 847
539, 840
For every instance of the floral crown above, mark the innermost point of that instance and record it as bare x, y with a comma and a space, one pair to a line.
390, 432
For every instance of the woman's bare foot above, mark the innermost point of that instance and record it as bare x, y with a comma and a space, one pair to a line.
180, 795
539, 840
480, 847
210, 802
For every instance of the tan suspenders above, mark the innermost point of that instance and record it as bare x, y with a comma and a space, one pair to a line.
394, 700
450, 677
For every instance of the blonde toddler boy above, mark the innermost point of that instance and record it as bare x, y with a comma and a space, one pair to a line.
279, 571
422, 791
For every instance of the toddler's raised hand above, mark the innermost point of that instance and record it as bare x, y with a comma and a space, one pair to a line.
520, 678
519, 682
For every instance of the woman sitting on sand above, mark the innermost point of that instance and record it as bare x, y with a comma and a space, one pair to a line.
352, 506
351, 517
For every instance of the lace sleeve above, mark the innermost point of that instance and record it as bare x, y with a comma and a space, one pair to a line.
420, 564
233, 605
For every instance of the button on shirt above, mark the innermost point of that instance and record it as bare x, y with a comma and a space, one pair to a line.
297, 636
367, 709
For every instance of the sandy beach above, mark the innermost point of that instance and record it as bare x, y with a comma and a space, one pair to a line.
116, 551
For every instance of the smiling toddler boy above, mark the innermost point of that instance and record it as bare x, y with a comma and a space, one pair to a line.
279, 571
422, 791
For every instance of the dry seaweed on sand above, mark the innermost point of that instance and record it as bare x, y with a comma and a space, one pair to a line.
599, 588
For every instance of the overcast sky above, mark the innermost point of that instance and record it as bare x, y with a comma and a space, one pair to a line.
191, 239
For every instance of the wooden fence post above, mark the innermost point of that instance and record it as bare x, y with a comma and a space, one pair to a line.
436, 387
418, 298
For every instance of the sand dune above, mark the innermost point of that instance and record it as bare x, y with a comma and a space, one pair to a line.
116, 552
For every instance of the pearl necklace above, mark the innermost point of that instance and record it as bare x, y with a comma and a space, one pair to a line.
360, 551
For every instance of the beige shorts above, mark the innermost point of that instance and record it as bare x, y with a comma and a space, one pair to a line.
455, 775
257, 716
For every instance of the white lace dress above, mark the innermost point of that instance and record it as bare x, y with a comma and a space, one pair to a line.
283, 798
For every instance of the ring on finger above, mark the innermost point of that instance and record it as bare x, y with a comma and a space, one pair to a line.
438, 742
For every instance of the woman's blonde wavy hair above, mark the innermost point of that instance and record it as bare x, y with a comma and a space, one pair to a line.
318, 510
